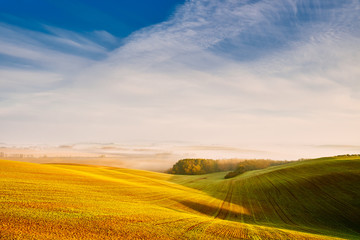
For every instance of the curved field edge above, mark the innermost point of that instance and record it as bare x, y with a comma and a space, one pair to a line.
93, 202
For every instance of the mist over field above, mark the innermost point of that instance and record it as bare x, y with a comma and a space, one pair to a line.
160, 157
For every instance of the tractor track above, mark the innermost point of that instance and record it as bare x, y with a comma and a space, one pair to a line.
224, 209
222, 213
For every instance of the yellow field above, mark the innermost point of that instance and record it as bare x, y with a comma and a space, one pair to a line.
43, 201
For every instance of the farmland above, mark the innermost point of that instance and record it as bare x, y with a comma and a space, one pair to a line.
312, 199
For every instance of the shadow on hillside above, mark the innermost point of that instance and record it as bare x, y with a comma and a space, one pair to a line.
321, 199
223, 212
199, 207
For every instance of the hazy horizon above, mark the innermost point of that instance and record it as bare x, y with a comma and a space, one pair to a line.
160, 157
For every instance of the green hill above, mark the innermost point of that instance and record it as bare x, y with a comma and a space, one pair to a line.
319, 196
312, 199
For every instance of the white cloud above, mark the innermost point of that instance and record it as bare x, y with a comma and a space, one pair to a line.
178, 81
26, 79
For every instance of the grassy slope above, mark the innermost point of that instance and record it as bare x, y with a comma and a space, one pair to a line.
319, 196
89, 202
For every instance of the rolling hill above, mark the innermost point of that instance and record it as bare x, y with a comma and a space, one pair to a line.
312, 199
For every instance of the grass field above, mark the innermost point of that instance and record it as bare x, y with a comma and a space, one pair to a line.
312, 199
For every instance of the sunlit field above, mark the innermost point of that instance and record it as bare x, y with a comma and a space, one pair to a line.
312, 199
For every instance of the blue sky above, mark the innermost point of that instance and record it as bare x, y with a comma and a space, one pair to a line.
114, 19
120, 18
210, 72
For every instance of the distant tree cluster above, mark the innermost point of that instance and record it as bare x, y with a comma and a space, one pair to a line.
239, 170
194, 166
349, 155
203, 166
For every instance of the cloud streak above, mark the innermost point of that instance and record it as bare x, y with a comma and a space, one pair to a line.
223, 72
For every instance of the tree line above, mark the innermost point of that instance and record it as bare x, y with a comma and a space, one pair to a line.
196, 166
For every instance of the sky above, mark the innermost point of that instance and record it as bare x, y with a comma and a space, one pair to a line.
249, 73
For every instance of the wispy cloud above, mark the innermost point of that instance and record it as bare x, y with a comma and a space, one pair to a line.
216, 72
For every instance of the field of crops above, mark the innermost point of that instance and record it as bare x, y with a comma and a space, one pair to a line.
313, 199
